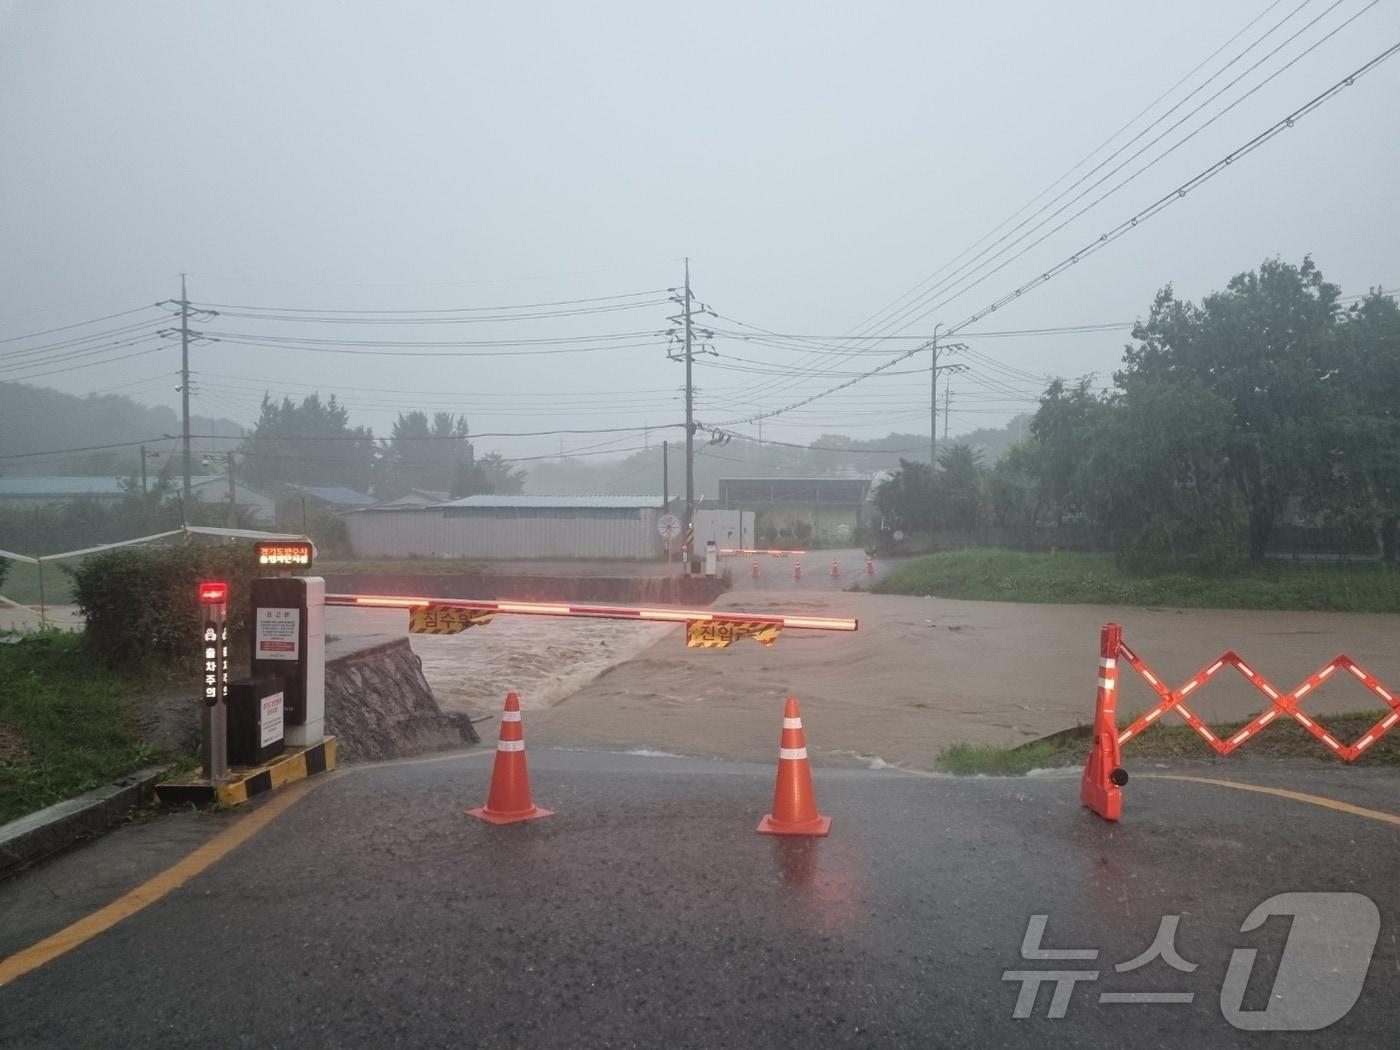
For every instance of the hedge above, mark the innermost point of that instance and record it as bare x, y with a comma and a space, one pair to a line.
141, 603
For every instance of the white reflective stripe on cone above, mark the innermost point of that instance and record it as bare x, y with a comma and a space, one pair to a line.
510, 745
791, 753
792, 723
510, 716
1104, 683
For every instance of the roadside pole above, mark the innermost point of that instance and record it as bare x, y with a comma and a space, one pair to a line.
213, 603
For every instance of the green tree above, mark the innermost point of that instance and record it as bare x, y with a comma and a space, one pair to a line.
492, 474
906, 498
1159, 484
427, 454
1068, 427
311, 443
959, 486
1013, 497
1263, 347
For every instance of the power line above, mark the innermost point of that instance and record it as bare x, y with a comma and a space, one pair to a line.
1161, 204
354, 312
563, 345
902, 313
1140, 171
78, 324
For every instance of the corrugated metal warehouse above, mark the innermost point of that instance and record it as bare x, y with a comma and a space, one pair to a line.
511, 527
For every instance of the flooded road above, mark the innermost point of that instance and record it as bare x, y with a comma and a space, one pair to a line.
544, 659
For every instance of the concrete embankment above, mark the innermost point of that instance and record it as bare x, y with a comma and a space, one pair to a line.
602, 590
379, 705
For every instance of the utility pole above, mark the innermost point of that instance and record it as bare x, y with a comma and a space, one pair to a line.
665, 477
232, 511
185, 386
143, 470
947, 401
933, 403
693, 565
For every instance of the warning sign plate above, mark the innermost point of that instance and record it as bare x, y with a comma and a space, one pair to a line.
706, 634
446, 619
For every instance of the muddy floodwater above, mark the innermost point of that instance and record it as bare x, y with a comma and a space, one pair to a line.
921, 673
545, 660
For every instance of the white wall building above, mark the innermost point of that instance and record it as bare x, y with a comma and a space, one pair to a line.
497, 527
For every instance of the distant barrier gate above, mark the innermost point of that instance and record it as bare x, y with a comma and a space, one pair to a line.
1104, 775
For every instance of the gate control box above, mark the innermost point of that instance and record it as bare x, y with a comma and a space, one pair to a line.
256, 726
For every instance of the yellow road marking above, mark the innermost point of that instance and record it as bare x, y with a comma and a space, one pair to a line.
1296, 796
179, 873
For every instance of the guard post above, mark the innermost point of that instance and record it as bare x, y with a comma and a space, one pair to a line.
289, 638
213, 640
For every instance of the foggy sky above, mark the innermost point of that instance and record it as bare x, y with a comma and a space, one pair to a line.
814, 161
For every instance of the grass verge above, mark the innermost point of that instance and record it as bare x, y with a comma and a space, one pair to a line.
1285, 738
1014, 576
65, 725
22, 583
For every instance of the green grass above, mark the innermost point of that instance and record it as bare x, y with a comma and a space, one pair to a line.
22, 583
996, 575
1285, 738
415, 566
988, 760
65, 725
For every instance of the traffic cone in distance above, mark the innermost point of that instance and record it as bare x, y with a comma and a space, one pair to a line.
794, 801
835, 569
869, 566
509, 799
755, 568
797, 570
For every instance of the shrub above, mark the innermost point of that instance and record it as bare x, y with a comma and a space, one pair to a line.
142, 608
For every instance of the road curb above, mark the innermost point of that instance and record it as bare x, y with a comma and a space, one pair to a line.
243, 784
38, 835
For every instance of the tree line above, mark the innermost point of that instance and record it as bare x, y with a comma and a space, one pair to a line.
311, 442
1271, 405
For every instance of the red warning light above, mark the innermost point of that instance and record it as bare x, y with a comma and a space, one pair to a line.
213, 593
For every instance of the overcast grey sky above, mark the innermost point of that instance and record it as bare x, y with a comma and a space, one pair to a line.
814, 161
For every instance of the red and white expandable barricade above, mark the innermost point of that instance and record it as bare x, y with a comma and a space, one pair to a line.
1104, 774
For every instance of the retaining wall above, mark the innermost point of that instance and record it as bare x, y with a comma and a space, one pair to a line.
379, 705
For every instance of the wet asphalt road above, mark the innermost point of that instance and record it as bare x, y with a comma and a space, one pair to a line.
647, 913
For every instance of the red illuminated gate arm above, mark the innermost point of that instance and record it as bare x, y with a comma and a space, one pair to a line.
606, 612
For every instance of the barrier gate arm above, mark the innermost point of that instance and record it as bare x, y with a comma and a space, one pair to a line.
598, 612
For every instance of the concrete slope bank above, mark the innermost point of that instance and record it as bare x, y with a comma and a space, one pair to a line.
379, 705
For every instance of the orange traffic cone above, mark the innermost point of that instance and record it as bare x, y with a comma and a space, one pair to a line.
755, 568
509, 798
835, 569
794, 802
797, 570
869, 566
